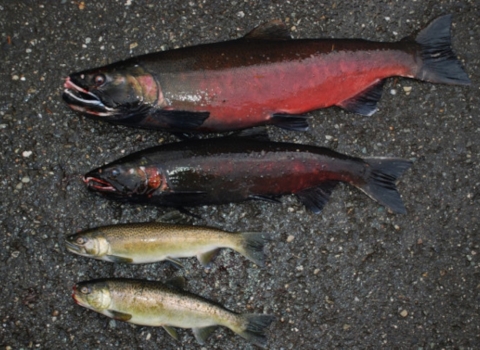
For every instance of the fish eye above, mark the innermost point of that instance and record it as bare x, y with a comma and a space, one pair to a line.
85, 290
99, 79
80, 240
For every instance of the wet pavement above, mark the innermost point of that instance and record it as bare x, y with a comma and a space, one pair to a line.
355, 276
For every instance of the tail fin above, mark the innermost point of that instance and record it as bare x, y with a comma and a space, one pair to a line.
252, 246
380, 182
440, 64
255, 327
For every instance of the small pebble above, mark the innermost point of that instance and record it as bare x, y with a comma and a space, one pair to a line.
88, 40
407, 89
15, 77
25, 179
300, 268
19, 186
149, 335
27, 154
329, 137
241, 14
112, 324
393, 92
81, 5
404, 313
316, 271
290, 238
133, 45
15, 254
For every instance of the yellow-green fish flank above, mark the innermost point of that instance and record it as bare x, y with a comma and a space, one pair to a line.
141, 243
151, 303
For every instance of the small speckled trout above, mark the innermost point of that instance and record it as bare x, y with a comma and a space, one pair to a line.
141, 243
151, 303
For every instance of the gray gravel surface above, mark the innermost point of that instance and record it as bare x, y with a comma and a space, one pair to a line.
354, 277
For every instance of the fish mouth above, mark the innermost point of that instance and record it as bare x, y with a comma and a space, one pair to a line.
84, 101
96, 184
74, 295
73, 248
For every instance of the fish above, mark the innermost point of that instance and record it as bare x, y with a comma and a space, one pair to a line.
151, 303
263, 78
238, 168
140, 243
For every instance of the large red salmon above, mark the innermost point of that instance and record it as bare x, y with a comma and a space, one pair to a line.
262, 78
235, 169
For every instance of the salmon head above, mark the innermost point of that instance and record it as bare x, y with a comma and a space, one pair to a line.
126, 180
112, 92
94, 295
90, 243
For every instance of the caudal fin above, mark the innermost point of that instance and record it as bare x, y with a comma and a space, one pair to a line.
380, 185
252, 246
440, 64
254, 331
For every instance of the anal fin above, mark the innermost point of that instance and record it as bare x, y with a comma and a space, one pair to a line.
365, 102
206, 258
202, 334
315, 198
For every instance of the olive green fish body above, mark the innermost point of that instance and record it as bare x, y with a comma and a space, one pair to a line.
151, 242
151, 303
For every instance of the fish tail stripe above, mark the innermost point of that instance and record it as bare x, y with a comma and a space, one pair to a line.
439, 62
252, 246
380, 181
254, 330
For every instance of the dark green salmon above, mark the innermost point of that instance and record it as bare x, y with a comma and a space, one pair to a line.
235, 169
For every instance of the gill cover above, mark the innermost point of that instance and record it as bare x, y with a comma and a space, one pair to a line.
88, 243
94, 295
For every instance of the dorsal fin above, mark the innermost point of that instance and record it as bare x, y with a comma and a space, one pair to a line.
273, 30
177, 282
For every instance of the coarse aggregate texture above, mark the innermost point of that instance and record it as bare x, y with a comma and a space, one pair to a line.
353, 277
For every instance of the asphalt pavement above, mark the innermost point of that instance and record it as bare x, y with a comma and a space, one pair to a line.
354, 277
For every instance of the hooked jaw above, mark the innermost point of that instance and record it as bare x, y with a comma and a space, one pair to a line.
96, 184
82, 100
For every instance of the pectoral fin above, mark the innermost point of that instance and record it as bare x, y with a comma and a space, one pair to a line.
119, 259
119, 315
180, 120
202, 334
172, 331
206, 258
